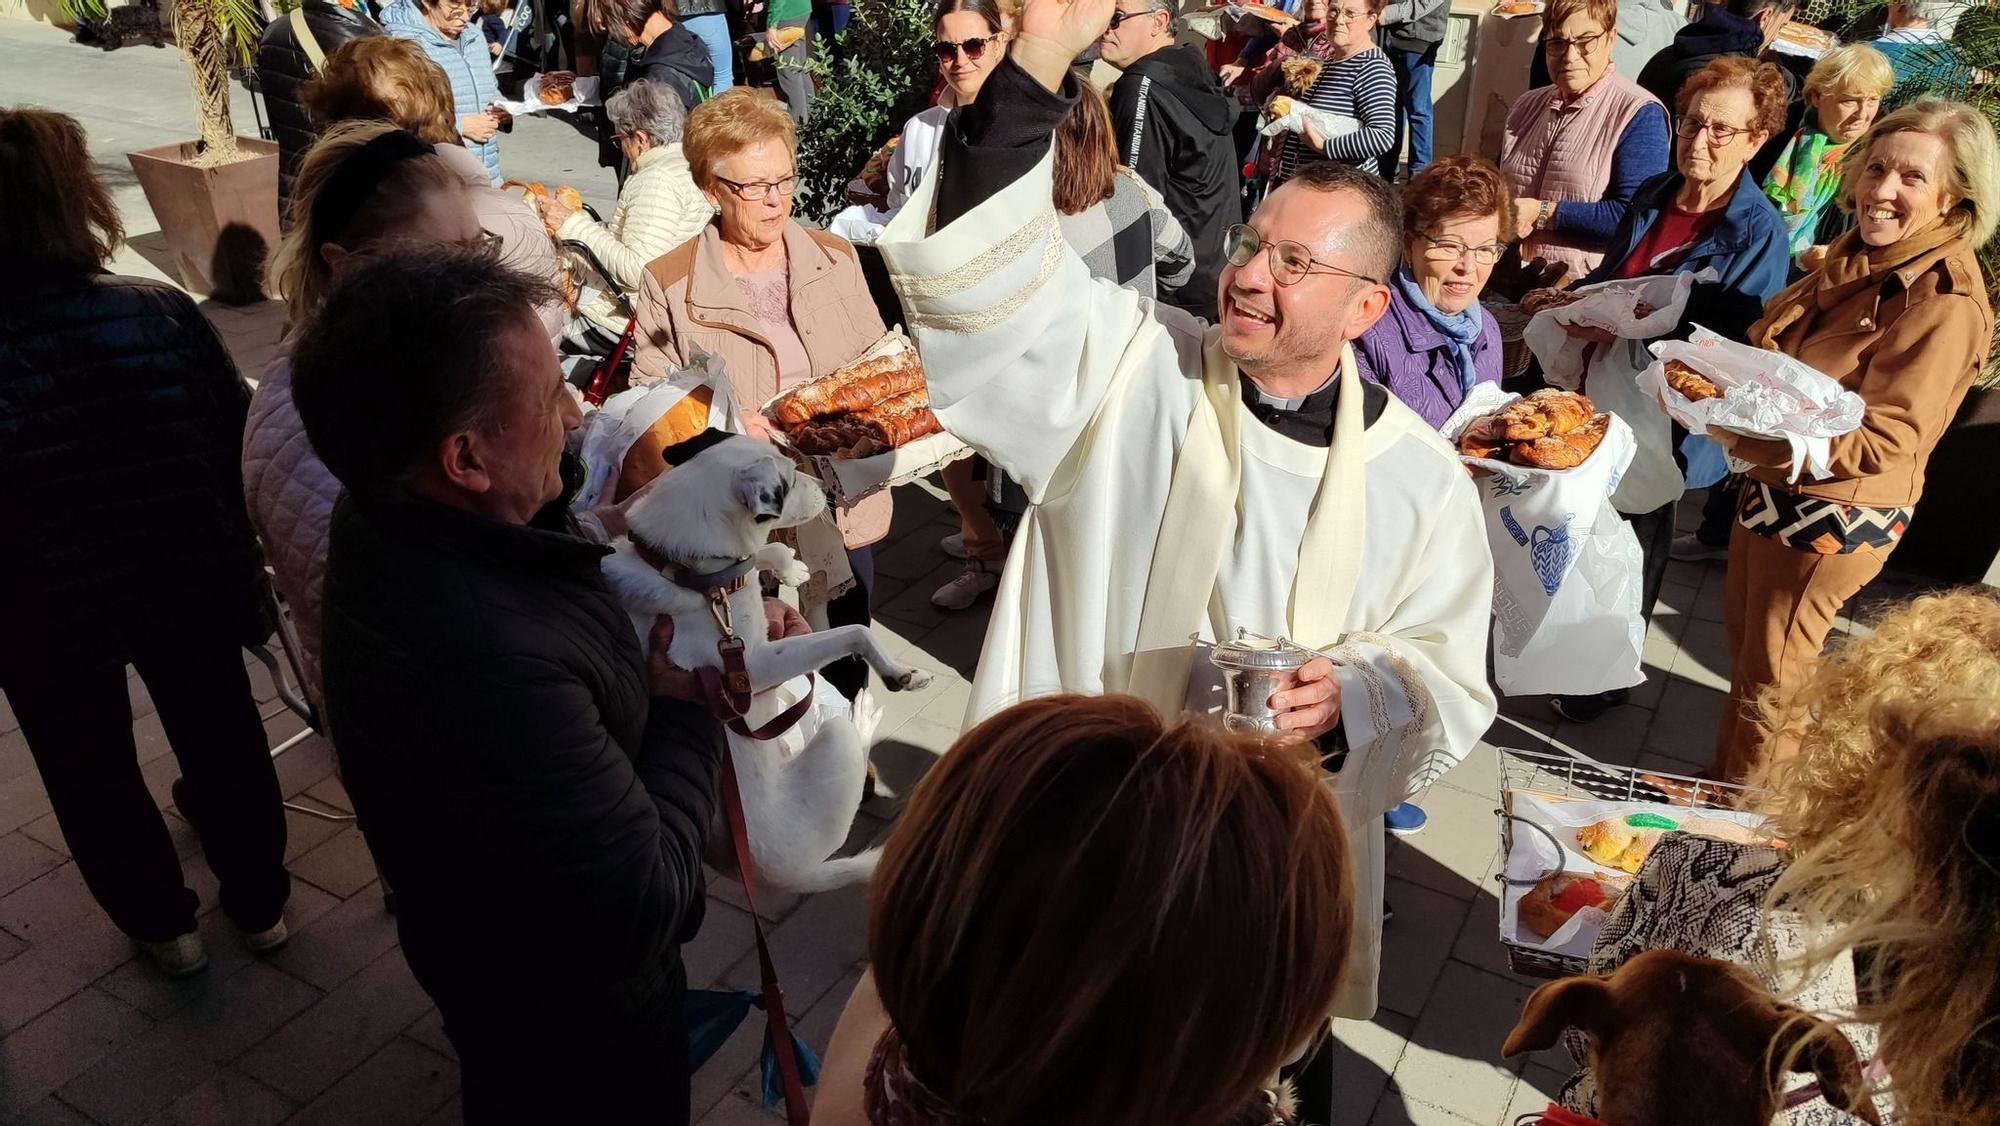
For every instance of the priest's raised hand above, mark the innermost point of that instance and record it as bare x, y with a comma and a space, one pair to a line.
1052, 33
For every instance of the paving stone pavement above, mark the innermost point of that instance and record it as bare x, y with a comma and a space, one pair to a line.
333, 1029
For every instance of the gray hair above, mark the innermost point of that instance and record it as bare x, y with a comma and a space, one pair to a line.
648, 107
1941, 15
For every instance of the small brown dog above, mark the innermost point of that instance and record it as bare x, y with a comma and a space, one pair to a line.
1677, 1040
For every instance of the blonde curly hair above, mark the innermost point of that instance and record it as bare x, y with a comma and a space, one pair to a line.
1892, 808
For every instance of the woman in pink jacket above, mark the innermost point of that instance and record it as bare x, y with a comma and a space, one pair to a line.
776, 301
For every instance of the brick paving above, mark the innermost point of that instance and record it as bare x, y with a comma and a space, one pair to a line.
333, 1029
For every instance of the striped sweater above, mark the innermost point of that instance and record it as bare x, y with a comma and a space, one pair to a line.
1361, 86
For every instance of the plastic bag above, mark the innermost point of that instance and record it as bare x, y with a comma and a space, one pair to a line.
1330, 124
1765, 394
1653, 478
609, 432
1566, 567
1611, 306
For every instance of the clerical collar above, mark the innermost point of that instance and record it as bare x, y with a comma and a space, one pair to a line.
1308, 419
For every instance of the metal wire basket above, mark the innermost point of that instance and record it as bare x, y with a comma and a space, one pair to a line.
1565, 776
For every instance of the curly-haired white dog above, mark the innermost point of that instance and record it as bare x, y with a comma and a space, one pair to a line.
704, 528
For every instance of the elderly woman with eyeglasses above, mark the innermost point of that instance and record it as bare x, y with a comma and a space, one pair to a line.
659, 207
1575, 151
776, 301
1705, 216
448, 34
1437, 342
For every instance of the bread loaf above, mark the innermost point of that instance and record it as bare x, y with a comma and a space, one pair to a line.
557, 86
1556, 900
850, 389
1690, 383
1478, 439
1563, 451
1544, 413
1537, 300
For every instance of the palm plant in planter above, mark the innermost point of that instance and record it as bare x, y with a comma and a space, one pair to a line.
217, 197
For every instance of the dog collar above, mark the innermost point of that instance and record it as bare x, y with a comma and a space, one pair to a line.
729, 576
1559, 1115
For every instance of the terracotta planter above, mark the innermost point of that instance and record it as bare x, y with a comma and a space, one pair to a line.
221, 223
1955, 533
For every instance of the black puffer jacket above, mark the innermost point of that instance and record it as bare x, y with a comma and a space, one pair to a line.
541, 820
283, 69
121, 426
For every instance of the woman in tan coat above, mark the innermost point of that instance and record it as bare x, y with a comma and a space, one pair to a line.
1898, 313
777, 302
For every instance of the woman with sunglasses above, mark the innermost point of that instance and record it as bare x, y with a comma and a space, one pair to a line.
1706, 214
447, 33
778, 303
970, 40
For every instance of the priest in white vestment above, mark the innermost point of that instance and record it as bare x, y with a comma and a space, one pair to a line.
1187, 481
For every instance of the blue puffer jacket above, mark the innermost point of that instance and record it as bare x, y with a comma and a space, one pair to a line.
465, 61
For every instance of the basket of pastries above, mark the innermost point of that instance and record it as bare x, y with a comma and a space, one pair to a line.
1549, 429
556, 87
1574, 834
868, 425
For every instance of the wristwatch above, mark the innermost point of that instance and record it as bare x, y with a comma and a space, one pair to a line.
1546, 213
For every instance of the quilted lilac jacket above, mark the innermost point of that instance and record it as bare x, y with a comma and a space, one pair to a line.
291, 494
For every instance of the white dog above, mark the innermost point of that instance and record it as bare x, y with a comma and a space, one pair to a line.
705, 526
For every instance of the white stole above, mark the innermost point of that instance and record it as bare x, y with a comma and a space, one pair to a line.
1200, 522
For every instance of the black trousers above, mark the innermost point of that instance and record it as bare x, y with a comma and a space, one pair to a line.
537, 1068
850, 674
78, 723
1655, 531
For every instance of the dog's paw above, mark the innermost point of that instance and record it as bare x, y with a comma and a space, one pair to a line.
911, 680
793, 574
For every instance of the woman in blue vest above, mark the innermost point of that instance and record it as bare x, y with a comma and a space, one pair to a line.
447, 33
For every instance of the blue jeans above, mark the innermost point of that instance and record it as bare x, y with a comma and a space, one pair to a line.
1413, 105
713, 31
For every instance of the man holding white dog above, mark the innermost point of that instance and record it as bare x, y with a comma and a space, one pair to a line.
535, 798
1191, 480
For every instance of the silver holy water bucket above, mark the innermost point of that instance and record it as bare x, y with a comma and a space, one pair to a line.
1253, 668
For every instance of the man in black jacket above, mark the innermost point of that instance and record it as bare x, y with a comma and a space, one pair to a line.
1173, 124
539, 807
285, 63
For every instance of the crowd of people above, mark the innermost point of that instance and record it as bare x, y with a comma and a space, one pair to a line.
1204, 371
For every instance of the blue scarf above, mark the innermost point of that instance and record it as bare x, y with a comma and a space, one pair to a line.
1461, 329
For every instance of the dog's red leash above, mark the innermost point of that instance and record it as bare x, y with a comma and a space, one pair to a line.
778, 1026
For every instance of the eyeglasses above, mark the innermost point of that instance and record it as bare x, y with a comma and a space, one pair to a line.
1691, 127
1452, 249
1343, 15
1582, 44
449, 9
1290, 261
946, 50
756, 191
1120, 17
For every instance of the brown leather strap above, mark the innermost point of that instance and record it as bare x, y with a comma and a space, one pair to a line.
778, 1026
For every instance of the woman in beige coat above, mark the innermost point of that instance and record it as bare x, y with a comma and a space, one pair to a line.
1898, 314
777, 302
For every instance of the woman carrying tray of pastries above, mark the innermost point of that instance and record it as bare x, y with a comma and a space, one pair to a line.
1707, 213
1898, 314
776, 301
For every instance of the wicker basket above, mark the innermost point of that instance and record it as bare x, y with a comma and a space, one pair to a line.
1561, 775
1514, 353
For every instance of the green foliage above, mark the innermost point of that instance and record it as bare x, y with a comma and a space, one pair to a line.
81, 12
883, 77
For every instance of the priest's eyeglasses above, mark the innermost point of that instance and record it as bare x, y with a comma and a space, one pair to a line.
1449, 249
1290, 261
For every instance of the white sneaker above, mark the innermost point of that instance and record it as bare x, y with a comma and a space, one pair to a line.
178, 957
978, 577
954, 546
267, 940
1691, 549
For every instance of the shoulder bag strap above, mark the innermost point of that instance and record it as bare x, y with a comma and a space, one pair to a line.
302, 32
777, 1026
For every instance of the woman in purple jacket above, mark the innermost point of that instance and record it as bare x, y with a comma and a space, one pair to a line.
1436, 341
